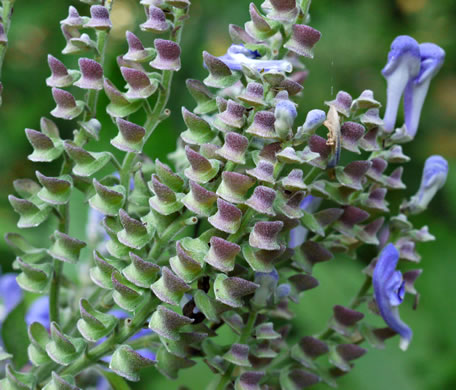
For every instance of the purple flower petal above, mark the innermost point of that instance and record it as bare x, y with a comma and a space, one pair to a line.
432, 57
435, 173
403, 65
389, 292
238, 55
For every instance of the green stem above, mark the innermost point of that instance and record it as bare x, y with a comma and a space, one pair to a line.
63, 227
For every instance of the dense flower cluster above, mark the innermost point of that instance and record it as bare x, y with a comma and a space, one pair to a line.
229, 234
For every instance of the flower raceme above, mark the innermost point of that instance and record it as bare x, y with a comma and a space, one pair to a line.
230, 232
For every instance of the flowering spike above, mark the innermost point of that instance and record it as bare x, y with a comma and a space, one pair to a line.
156, 21
222, 254
389, 292
303, 40
403, 65
130, 137
204, 98
432, 57
201, 169
167, 323
168, 55
263, 125
220, 75
231, 290
262, 200
67, 106
198, 130
435, 173
228, 217
60, 76
136, 51
86, 164
92, 74
66, 248
140, 86
127, 363
99, 18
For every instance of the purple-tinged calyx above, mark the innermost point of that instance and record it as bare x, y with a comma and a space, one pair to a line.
342, 103
389, 291
130, 137
168, 55
140, 86
262, 200
231, 118
303, 40
92, 74
282, 10
265, 235
227, 218
156, 21
253, 94
435, 173
201, 169
222, 254
136, 51
432, 57
199, 200
99, 18
73, 19
263, 125
60, 76
264, 171
220, 75
238, 55
67, 106
404, 62
234, 148
234, 186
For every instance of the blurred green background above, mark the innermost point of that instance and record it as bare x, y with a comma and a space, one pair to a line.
356, 35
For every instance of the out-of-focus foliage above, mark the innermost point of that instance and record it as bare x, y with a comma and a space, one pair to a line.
353, 48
